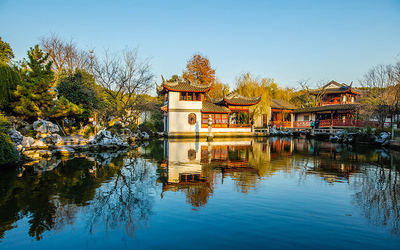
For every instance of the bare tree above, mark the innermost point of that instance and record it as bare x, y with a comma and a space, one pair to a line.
383, 91
124, 79
65, 54
308, 96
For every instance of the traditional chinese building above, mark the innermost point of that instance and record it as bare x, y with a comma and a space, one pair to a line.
187, 112
337, 106
280, 115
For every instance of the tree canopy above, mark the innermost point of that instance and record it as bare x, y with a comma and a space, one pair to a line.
218, 90
199, 70
35, 95
80, 88
250, 86
9, 79
6, 52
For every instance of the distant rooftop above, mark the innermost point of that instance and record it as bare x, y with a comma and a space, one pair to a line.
333, 87
236, 99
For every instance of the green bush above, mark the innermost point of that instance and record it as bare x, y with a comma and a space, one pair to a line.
148, 125
88, 130
8, 153
115, 129
4, 124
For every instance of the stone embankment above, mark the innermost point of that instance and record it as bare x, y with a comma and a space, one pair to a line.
48, 142
382, 139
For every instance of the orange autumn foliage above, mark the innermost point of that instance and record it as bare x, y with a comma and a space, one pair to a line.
198, 69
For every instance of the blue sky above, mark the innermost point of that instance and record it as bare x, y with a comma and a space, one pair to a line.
284, 40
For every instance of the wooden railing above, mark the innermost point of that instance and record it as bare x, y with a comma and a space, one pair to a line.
239, 125
279, 124
302, 124
339, 123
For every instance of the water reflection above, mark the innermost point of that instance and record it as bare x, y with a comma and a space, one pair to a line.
195, 167
119, 190
115, 189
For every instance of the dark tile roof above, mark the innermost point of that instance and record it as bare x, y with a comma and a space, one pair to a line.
281, 104
340, 88
209, 107
327, 108
183, 86
236, 99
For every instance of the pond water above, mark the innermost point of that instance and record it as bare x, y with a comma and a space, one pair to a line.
186, 194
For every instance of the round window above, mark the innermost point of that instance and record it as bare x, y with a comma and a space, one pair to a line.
192, 154
192, 118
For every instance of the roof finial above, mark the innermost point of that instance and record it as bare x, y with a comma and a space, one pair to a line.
162, 78
351, 84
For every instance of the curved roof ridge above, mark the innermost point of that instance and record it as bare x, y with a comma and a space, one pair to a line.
237, 95
185, 86
237, 99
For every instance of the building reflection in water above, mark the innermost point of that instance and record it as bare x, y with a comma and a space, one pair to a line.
194, 167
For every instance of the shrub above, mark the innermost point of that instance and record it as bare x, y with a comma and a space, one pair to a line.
8, 153
148, 125
88, 130
4, 124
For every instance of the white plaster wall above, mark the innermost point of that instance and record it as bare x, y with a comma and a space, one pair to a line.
178, 122
300, 116
259, 119
175, 103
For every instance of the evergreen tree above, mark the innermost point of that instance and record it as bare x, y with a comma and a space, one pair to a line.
64, 108
81, 89
9, 79
35, 94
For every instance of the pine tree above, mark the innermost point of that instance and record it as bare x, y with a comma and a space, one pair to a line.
9, 79
35, 94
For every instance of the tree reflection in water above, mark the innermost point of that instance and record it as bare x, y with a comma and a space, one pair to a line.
119, 192
127, 199
378, 196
